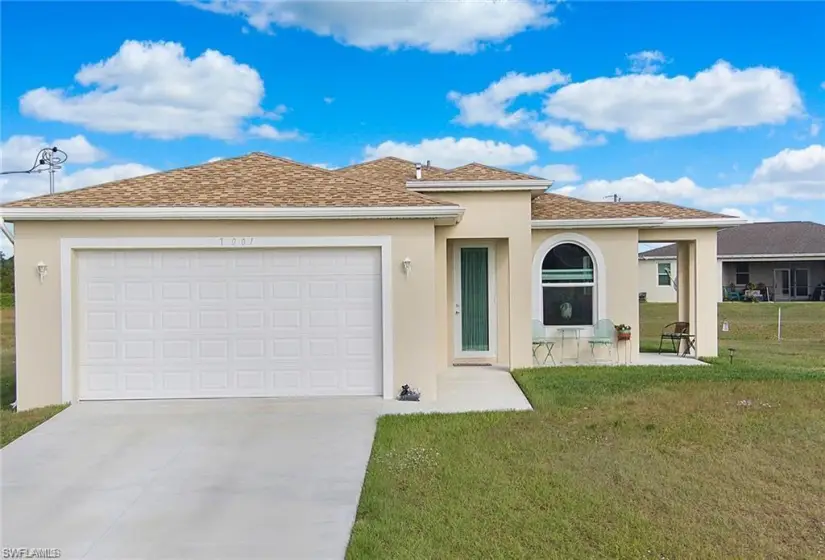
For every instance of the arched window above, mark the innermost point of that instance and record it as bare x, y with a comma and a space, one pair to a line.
568, 286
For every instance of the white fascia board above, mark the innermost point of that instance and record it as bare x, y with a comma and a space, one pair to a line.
597, 223
533, 185
443, 213
776, 257
703, 222
657, 258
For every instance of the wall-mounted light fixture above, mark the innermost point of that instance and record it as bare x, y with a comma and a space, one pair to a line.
42, 270
406, 264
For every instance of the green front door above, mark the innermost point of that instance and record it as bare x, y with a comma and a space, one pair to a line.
475, 299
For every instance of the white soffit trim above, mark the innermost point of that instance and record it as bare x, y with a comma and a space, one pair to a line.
451, 214
597, 223
69, 245
776, 257
533, 185
703, 222
638, 223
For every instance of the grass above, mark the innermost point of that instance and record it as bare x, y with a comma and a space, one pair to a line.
753, 332
15, 424
6, 301
724, 461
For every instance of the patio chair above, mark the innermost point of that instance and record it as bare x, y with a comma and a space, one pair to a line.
733, 295
604, 334
540, 340
673, 332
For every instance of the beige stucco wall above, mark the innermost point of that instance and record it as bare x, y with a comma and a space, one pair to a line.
38, 306
649, 281
619, 251
502, 218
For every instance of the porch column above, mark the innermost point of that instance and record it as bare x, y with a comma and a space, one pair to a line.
521, 289
706, 294
683, 280
442, 305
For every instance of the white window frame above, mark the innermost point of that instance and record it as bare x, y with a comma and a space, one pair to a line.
668, 272
599, 284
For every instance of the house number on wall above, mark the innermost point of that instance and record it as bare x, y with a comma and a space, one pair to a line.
236, 241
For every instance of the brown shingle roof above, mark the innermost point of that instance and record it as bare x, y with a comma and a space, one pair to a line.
253, 180
388, 171
762, 238
551, 206
480, 172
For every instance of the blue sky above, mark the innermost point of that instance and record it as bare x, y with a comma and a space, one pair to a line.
712, 105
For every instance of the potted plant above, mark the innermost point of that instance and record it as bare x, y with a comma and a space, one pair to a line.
623, 332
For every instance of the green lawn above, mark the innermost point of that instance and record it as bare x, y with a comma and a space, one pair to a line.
634, 462
753, 332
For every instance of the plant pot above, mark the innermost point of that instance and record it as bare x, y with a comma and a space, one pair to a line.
623, 335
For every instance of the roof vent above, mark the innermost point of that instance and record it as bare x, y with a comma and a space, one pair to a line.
428, 164
418, 171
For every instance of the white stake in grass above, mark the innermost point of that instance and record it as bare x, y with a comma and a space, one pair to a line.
779, 324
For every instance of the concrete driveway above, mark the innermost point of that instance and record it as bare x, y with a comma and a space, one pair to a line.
250, 478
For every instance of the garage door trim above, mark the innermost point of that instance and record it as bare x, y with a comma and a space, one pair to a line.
67, 274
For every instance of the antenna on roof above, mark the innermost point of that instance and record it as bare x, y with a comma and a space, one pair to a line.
615, 197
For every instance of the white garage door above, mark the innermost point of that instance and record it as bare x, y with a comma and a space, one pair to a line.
221, 323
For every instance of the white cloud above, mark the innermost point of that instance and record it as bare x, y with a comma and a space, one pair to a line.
780, 209
451, 152
19, 152
648, 107
560, 173
816, 126
329, 100
154, 89
565, 137
489, 107
460, 26
214, 159
271, 133
324, 166
15, 187
788, 175
646, 62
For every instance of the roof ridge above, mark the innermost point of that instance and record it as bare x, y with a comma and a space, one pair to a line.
248, 156
118, 181
392, 158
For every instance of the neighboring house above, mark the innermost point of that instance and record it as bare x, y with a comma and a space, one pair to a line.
261, 276
788, 258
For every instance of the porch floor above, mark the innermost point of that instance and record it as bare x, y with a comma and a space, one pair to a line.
645, 359
654, 359
468, 389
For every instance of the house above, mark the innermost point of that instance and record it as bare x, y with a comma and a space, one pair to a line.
262, 276
788, 258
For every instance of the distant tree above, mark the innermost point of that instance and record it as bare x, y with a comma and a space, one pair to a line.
6, 274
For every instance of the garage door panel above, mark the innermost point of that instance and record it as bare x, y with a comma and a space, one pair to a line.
280, 322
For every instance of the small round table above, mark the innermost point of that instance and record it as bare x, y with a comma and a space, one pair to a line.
576, 332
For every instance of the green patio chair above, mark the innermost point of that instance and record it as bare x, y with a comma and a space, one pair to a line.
540, 340
604, 334
733, 295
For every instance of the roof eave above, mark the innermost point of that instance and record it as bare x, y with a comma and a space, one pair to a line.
444, 215
637, 222
535, 186
588, 223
